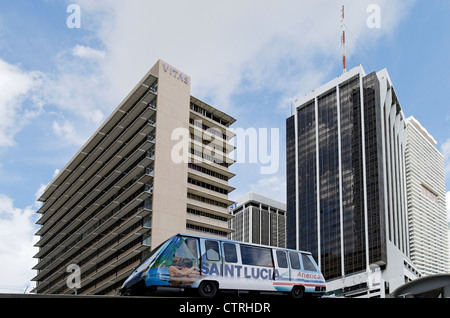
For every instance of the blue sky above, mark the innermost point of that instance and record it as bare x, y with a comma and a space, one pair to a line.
248, 58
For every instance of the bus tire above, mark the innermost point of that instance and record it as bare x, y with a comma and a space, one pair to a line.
207, 289
297, 292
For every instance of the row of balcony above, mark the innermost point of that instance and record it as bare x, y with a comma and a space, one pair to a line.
116, 163
118, 176
77, 237
85, 205
100, 244
121, 123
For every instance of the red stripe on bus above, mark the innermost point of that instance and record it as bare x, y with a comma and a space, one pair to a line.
293, 283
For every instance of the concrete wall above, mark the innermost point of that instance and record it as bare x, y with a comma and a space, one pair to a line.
170, 181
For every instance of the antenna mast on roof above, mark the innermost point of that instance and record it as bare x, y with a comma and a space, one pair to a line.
344, 61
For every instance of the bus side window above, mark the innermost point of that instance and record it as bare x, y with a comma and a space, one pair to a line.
307, 264
295, 260
230, 253
282, 259
256, 256
212, 251
192, 246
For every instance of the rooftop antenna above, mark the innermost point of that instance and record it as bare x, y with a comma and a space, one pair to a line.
344, 58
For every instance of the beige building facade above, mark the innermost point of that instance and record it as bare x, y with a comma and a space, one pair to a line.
157, 166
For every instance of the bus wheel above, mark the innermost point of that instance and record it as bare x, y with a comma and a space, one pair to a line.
297, 292
207, 289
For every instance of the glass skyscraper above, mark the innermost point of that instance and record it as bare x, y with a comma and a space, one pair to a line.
346, 186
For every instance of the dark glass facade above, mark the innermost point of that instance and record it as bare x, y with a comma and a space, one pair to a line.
374, 171
307, 179
290, 182
329, 184
338, 220
352, 177
306, 202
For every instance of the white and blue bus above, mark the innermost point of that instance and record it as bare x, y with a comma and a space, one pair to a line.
210, 264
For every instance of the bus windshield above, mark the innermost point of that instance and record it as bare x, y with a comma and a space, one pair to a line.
179, 262
146, 261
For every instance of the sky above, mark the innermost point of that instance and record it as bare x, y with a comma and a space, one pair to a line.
65, 65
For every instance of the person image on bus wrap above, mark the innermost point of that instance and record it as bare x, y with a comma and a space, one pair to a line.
182, 267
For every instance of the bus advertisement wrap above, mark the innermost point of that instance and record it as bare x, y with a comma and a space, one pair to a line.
191, 261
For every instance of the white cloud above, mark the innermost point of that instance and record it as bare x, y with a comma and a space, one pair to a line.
55, 173
75, 91
77, 87
78, 91
17, 104
67, 132
38, 194
227, 45
273, 187
16, 246
87, 52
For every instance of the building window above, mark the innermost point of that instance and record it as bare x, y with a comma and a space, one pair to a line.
206, 200
207, 171
207, 186
205, 113
218, 160
206, 215
205, 230
429, 194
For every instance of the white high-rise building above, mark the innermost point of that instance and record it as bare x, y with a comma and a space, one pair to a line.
426, 201
258, 219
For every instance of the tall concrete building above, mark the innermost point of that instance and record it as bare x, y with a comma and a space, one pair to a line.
346, 184
157, 166
425, 179
259, 219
